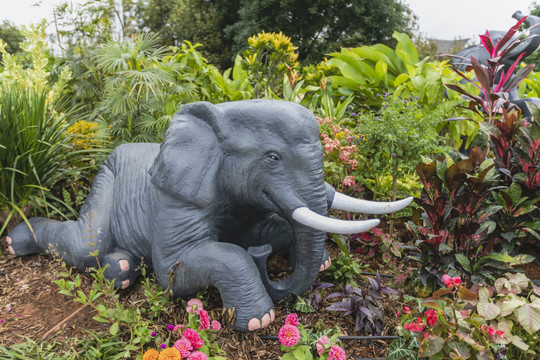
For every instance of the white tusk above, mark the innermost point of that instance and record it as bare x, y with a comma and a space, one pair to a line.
313, 220
347, 203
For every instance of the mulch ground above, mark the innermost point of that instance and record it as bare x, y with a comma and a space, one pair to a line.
31, 307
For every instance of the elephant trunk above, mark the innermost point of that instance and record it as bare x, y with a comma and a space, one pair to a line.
308, 244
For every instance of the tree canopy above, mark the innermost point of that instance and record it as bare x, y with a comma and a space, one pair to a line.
316, 27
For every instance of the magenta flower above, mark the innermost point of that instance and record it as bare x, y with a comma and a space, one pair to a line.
184, 347
451, 282
163, 346
170, 327
336, 353
205, 320
194, 305
197, 355
193, 338
153, 334
216, 325
291, 319
323, 340
289, 335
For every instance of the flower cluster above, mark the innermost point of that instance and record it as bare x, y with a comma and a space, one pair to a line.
492, 332
191, 342
451, 282
415, 326
294, 338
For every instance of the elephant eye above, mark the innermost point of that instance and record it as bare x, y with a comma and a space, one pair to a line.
272, 158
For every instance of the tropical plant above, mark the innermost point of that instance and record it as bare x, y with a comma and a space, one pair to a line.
36, 151
370, 70
268, 58
365, 305
462, 322
142, 90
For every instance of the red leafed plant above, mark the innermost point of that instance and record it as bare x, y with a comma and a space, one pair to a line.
494, 82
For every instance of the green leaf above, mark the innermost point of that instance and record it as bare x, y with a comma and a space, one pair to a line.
528, 315
398, 350
288, 356
460, 349
464, 262
431, 346
114, 329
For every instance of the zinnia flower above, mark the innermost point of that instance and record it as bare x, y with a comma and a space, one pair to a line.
194, 305
289, 335
197, 355
193, 338
177, 328
216, 325
169, 354
184, 347
205, 320
336, 353
151, 354
291, 319
323, 340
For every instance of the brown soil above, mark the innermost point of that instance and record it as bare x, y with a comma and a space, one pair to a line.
39, 312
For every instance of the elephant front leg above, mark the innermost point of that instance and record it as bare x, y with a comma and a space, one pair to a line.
231, 270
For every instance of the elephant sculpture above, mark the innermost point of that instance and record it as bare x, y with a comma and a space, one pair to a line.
527, 47
230, 184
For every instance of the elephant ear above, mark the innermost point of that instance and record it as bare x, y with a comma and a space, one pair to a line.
190, 155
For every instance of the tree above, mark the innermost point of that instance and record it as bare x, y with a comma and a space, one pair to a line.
316, 27
11, 36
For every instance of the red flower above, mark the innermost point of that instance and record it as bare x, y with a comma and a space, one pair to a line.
193, 338
205, 320
291, 319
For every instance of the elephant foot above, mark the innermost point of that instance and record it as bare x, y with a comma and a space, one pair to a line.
255, 323
325, 265
21, 240
121, 269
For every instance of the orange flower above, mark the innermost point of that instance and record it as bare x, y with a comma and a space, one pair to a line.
170, 354
151, 354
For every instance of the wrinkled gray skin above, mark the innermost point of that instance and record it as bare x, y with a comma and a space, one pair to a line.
528, 46
227, 177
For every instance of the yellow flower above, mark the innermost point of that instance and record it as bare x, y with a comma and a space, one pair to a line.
151, 354
170, 354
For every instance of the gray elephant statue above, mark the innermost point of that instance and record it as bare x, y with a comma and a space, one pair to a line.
230, 185
527, 47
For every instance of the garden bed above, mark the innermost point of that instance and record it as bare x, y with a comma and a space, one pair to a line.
39, 312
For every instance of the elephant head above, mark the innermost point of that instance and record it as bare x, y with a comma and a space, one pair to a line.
244, 161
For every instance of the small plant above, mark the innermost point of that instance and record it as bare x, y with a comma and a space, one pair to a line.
346, 270
301, 343
267, 60
365, 305
460, 323
194, 341
312, 301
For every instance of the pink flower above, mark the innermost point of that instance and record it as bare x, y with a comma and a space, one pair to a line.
465, 313
431, 316
417, 326
500, 333
348, 181
193, 338
197, 355
291, 319
407, 309
194, 305
170, 327
289, 335
323, 340
184, 347
205, 320
451, 282
336, 353
216, 325
491, 331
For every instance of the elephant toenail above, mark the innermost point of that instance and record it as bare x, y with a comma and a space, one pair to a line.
322, 268
254, 324
265, 320
124, 265
272, 315
125, 284
11, 251
8, 240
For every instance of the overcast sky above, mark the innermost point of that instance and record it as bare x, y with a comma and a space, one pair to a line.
440, 19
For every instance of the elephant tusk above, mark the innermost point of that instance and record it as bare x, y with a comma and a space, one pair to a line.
313, 220
347, 203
